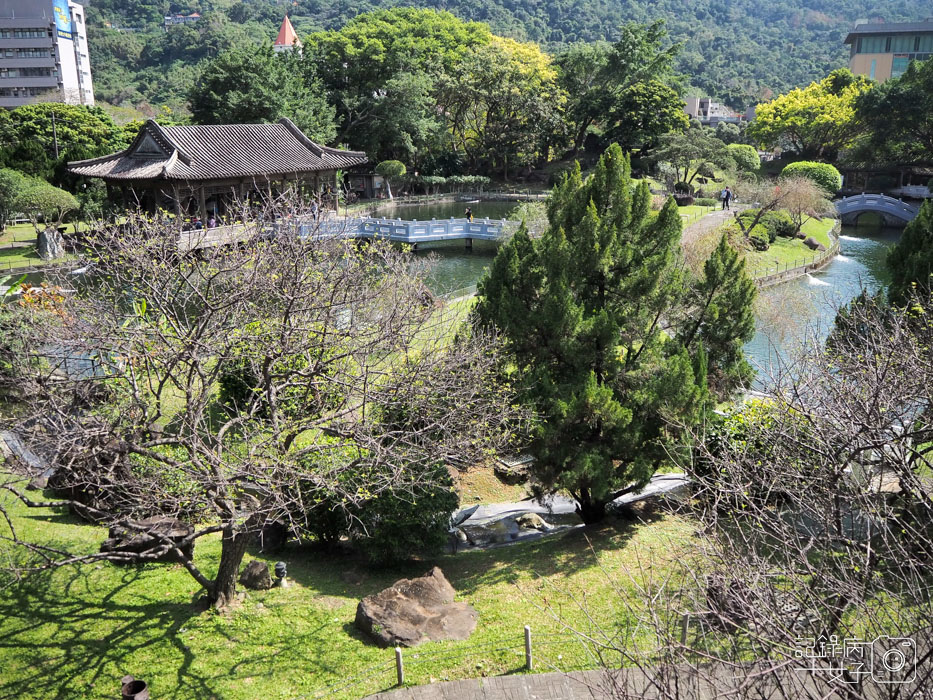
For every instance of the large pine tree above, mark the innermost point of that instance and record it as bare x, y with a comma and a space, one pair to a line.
592, 314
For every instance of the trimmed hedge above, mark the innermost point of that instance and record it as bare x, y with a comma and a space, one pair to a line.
823, 174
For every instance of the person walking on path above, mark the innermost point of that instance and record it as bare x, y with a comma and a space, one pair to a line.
726, 198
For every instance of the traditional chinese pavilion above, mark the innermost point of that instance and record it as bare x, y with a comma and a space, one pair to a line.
202, 169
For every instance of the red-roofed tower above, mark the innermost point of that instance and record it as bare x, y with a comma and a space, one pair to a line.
287, 40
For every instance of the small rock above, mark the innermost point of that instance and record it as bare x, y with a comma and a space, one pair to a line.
532, 521
256, 576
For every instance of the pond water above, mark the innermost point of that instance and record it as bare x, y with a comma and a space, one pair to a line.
805, 308
456, 268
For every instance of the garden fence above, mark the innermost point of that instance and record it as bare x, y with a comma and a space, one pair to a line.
770, 275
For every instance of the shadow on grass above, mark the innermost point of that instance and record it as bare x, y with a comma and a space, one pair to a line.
47, 625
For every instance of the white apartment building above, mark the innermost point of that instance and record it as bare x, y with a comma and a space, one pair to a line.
43, 53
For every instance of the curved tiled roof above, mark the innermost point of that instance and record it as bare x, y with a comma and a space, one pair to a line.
215, 152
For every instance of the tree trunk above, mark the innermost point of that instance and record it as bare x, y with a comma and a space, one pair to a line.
233, 547
591, 510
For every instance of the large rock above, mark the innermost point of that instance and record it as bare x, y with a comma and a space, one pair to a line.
813, 244
141, 536
416, 610
50, 245
256, 576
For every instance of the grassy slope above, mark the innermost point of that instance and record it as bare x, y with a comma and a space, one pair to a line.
789, 252
75, 632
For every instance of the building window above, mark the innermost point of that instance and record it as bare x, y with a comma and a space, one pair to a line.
925, 43
28, 53
903, 43
25, 72
30, 33
873, 44
874, 64
899, 67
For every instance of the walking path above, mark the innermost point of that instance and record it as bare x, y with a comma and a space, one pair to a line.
712, 221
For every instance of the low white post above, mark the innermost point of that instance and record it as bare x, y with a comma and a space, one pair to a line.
528, 659
399, 668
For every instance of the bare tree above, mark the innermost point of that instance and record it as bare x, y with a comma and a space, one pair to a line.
809, 575
230, 386
799, 196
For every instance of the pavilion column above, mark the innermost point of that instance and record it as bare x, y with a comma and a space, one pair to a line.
176, 196
202, 204
336, 198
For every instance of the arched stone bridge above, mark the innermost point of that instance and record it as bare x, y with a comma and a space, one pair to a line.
894, 212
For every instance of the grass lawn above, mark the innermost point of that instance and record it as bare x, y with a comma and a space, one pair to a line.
789, 252
694, 212
76, 631
26, 232
18, 257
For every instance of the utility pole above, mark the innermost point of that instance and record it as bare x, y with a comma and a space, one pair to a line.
55, 135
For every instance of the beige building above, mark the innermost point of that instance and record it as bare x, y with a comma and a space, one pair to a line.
882, 51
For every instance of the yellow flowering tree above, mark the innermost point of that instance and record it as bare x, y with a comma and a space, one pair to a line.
816, 121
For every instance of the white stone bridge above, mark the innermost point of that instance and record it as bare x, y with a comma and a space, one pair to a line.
411, 232
893, 212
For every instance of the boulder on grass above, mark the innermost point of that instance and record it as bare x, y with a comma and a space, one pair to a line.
416, 610
142, 536
813, 244
256, 576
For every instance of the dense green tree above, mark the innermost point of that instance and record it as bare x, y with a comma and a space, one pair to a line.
12, 182
823, 174
745, 156
911, 260
583, 310
44, 202
391, 171
257, 85
643, 113
898, 118
627, 87
378, 71
502, 105
692, 152
817, 121
721, 319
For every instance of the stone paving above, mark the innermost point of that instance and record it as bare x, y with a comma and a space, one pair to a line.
580, 685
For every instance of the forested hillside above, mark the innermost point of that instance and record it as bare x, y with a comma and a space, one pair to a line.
738, 50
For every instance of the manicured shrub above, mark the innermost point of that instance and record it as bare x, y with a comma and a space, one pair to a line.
823, 174
684, 200
771, 225
759, 243
707, 201
394, 526
745, 157
683, 187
